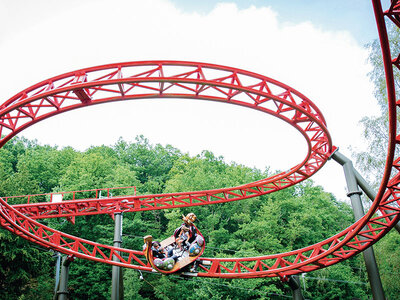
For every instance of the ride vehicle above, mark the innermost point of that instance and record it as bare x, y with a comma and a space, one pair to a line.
175, 252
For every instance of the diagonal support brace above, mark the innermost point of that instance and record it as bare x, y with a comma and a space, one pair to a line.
354, 194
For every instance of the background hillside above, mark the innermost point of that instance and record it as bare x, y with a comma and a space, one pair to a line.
289, 219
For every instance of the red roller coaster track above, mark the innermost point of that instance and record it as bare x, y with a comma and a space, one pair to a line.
200, 81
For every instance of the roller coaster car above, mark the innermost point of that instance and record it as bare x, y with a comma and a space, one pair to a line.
183, 257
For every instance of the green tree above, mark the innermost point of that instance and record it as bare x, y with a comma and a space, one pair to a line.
93, 170
132, 285
292, 218
388, 258
45, 165
16, 181
22, 264
21, 267
6, 171
372, 161
151, 163
336, 282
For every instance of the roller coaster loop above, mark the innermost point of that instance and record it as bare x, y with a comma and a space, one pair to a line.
201, 81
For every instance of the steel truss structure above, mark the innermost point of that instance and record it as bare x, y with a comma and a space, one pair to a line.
200, 81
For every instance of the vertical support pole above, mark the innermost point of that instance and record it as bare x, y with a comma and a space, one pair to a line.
62, 293
57, 276
117, 290
354, 194
294, 284
121, 283
362, 183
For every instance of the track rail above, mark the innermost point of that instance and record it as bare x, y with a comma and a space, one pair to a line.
160, 79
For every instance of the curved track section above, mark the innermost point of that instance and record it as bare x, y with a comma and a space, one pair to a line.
74, 90
167, 79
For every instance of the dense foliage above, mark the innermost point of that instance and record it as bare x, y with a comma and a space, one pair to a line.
290, 219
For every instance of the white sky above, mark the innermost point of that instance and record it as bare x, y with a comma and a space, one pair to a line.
41, 39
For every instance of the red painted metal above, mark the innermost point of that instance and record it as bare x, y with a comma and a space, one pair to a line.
136, 80
75, 195
163, 80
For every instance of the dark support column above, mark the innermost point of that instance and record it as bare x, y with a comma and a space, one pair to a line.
121, 283
354, 194
62, 293
117, 288
57, 276
363, 184
294, 284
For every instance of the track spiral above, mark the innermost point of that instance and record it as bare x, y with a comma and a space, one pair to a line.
200, 81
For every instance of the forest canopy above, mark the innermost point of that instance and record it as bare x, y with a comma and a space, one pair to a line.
290, 219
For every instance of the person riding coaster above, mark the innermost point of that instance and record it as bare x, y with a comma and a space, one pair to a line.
177, 251
187, 226
163, 259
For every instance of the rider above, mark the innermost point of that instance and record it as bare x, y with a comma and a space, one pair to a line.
159, 252
183, 237
187, 222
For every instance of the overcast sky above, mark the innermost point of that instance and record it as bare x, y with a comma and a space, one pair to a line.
316, 47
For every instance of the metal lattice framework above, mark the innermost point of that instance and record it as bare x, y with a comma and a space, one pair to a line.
172, 79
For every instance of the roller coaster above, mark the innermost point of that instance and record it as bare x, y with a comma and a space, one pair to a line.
202, 81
